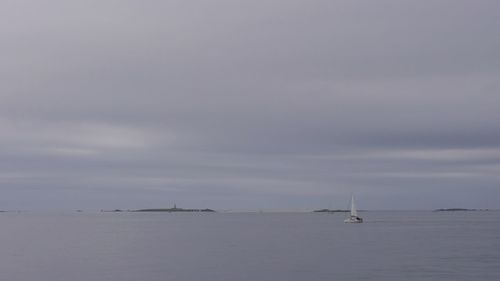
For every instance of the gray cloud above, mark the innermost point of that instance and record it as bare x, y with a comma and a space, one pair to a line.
247, 105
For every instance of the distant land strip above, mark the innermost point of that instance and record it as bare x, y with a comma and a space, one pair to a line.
171, 210
458, 209
331, 211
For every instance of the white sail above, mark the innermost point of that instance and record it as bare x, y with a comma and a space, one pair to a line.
353, 218
354, 212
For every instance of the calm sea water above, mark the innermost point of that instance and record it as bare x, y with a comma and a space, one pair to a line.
249, 246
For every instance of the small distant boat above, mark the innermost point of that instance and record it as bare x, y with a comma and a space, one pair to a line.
353, 218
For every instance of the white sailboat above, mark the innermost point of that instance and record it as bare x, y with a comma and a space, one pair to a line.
353, 218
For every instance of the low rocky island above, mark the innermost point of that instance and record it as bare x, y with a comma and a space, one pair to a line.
458, 209
331, 211
174, 209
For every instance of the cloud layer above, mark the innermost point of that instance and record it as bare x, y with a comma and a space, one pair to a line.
249, 104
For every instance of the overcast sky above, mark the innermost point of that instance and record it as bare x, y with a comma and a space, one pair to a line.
275, 104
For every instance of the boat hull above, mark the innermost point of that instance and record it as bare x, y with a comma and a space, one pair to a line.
353, 220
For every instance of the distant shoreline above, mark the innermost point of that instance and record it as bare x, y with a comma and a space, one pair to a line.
171, 210
174, 210
168, 210
331, 211
459, 210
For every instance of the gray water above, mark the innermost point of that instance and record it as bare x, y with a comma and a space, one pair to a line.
249, 246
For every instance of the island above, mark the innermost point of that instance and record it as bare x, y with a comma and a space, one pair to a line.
174, 209
331, 211
458, 209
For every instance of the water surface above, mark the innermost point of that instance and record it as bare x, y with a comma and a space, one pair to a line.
249, 246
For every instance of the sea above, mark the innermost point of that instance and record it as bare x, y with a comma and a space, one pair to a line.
127, 246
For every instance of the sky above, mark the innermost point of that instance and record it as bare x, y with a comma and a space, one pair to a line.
248, 105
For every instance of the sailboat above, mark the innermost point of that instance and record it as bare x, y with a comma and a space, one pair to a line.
353, 218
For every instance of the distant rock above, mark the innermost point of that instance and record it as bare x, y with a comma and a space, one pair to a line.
175, 209
331, 211
458, 209
112, 211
